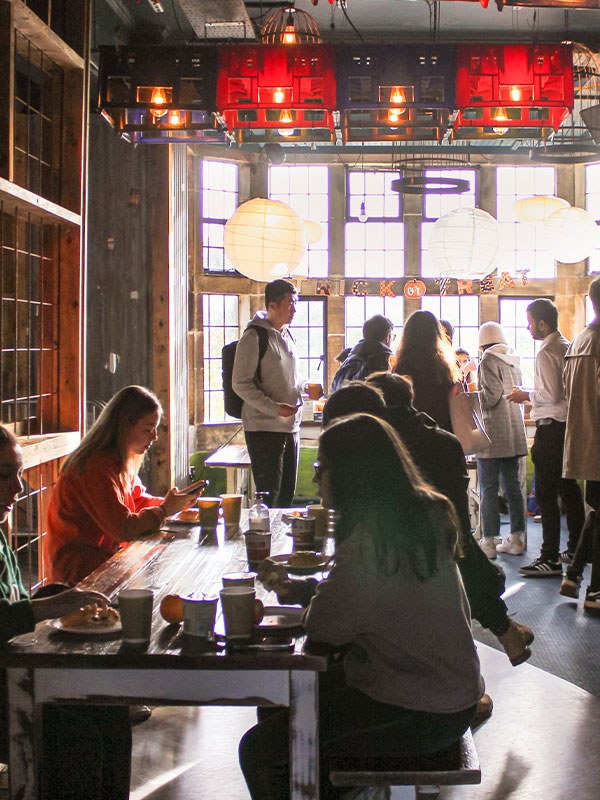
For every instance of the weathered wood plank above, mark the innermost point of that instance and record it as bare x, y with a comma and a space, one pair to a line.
25, 201
41, 449
39, 34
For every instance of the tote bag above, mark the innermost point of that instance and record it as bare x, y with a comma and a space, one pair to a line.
467, 421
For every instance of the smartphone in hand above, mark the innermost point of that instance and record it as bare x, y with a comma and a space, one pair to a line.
194, 487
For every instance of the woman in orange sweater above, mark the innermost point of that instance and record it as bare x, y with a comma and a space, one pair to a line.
99, 501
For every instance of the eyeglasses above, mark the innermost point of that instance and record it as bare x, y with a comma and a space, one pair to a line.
319, 469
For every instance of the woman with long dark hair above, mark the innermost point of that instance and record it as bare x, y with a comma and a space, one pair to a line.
427, 357
395, 601
99, 501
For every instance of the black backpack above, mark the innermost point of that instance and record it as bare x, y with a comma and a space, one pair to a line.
354, 368
233, 402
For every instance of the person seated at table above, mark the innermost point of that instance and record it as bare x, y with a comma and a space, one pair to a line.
99, 501
395, 600
87, 749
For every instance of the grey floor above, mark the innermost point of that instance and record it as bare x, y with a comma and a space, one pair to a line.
540, 743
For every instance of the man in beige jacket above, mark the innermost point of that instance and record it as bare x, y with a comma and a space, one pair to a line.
582, 447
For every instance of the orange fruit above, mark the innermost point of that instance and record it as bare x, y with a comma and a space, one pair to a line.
171, 608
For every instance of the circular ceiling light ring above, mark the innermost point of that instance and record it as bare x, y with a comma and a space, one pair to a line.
420, 162
430, 185
565, 154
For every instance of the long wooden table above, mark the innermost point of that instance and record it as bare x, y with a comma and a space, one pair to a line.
47, 666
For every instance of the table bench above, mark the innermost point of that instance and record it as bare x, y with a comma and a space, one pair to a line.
458, 765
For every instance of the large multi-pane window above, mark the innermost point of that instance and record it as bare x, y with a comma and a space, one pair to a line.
523, 242
513, 318
308, 329
375, 246
463, 314
360, 309
305, 188
592, 204
220, 317
219, 200
437, 205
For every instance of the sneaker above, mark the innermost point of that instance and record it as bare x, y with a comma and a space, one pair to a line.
592, 600
512, 545
516, 642
484, 710
489, 548
570, 587
537, 517
566, 556
540, 568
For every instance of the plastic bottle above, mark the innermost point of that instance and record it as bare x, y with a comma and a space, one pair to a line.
258, 515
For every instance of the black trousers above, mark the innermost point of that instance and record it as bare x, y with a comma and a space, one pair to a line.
588, 548
274, 458
351, 725
547, 457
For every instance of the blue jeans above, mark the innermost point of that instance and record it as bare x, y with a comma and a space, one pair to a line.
491, 471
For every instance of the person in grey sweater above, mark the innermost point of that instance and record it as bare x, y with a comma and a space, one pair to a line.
272, 407
394, 601
499, 373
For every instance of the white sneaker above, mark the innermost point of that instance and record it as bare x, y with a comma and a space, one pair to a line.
489, 548
512, 545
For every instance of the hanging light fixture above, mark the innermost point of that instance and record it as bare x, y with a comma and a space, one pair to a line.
290, 26
537, 208
500, 115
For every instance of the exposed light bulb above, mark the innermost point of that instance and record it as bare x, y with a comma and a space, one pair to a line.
289, 34
397, 96
278, 96
285, 132
285, 116
363, 216
174, 117
158, 98
515, 94
500, 116
393, 115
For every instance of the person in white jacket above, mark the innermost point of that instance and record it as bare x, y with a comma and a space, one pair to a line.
499, 373
272, 407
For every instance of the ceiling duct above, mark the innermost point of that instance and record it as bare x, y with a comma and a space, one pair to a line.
218, 19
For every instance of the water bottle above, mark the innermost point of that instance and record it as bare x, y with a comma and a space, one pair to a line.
258, 515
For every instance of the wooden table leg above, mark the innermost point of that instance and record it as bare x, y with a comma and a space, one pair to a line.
24, 735
304, 735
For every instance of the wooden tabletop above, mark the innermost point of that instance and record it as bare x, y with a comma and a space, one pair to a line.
231, 455
174, 561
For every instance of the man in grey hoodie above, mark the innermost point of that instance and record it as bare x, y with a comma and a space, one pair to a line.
272, 406
499, 373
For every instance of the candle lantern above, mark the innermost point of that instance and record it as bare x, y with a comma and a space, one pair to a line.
513, 90
160, 94
395, 92
277, 93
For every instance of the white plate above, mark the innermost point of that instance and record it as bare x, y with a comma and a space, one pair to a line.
281, 618
319, 565
87, 630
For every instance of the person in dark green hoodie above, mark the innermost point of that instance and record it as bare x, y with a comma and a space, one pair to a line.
86, 749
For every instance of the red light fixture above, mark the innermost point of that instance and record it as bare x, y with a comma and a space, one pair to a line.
290, 26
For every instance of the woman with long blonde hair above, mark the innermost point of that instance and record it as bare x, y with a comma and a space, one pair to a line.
99, 501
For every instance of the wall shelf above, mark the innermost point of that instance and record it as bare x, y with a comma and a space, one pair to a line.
43, 37
29, 203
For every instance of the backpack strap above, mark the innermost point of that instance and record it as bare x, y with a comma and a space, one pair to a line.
263, 343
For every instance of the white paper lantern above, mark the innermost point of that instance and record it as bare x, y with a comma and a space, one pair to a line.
265, 239
313, 231
537, 208
570, 235
464, 244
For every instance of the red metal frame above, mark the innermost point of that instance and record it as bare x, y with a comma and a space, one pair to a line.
257, 83
533, 84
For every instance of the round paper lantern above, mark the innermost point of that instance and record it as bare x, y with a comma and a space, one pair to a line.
265, 239
313, 231
464, 244
537, 208
571, 235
